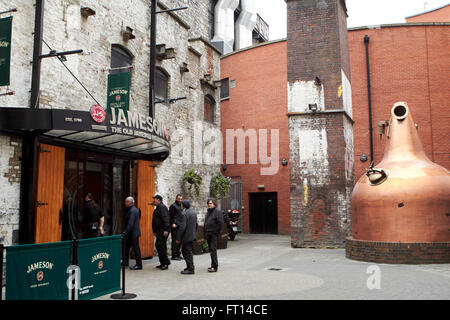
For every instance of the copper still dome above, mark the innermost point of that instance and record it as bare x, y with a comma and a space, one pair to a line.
406, 197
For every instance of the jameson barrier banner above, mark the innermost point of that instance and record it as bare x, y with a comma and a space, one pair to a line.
99, 261
5, 50
37, 271
118, 91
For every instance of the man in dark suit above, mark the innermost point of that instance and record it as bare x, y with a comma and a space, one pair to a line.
186, 236
161, 229
132, 233
175, 212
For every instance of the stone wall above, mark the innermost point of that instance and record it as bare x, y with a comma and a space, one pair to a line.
187, 32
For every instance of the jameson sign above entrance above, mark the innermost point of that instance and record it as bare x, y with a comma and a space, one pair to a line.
118, 91
118, 121
5, 50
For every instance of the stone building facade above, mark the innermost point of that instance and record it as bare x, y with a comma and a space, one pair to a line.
192, 68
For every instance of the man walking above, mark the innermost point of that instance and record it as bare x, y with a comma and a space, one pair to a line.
161, 229
186, 236
175, 212
132, 233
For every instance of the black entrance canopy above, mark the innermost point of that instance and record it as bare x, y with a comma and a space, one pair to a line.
132, 134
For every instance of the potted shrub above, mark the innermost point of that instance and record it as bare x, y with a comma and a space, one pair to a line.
220, 186
193, 179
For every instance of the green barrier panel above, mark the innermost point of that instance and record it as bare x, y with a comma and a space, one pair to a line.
99, 260
37, 271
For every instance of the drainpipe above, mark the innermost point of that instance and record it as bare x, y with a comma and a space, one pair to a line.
151, 98
37, 51
369, 95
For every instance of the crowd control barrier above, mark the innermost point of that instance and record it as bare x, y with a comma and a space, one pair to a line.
68, 270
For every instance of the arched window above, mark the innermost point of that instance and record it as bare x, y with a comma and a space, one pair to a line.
120, 58
209, 108
161, 86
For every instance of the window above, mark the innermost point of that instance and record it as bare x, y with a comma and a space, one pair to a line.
224, 89
209, 108
161, 86
120, 58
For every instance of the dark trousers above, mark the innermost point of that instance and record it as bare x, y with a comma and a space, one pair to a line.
133, 242
187, 249
212, 238
161, 247
175, 246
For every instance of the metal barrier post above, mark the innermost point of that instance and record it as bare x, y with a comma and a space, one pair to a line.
123, 295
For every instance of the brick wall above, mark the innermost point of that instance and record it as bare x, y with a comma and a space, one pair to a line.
321, 159
438, 15
398, 253
259, 101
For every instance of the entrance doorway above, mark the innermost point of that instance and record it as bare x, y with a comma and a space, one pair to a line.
106, 178
263, 212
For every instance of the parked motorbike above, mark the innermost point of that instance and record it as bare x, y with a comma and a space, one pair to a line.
232, 220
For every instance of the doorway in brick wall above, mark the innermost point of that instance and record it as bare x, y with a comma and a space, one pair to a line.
263, 212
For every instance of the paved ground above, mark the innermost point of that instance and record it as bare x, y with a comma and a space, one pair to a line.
244, 273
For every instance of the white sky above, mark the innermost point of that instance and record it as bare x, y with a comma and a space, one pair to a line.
360, 12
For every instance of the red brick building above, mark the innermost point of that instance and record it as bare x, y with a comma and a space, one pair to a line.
408, 62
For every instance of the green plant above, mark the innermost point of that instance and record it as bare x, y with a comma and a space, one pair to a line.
220, 186
193, 178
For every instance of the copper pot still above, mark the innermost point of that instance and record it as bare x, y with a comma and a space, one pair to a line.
406, 197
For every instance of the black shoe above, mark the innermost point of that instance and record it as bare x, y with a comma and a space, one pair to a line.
159, 267
136, 267
212, 269
164, 267
176, 258
187, 272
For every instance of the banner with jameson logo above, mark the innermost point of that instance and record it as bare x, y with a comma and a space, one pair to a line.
118, 91
5, 50
37, 271
99, 263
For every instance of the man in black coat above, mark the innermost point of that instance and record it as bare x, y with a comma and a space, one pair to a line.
132, 233
186, 236
175, 212
93, 218
161, 229
213, 226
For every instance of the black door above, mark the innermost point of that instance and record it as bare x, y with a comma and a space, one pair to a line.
263, 212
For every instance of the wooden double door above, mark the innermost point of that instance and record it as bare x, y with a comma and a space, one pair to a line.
65, 176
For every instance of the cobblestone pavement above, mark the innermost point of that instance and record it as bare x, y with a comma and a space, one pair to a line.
265, 267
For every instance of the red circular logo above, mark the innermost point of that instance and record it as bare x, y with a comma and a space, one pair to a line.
98, 113
40, 276
100, 264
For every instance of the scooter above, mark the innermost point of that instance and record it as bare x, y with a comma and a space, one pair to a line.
232, 221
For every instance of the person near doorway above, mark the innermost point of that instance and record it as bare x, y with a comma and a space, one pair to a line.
93, 218
161, 229
132, 233
175, 212
213, 226
186, 235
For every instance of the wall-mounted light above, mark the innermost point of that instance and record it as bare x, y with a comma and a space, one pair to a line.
284, 162
86, 12
313, 107
127, 34
363, 158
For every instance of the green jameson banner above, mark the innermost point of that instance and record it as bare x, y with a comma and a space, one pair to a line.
99, 262
118, 91
5, 50
37, 271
